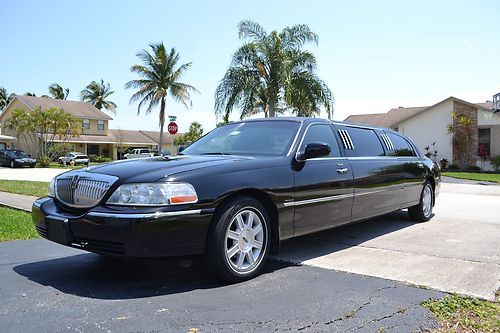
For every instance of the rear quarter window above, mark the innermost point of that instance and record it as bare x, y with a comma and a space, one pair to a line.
401, 146
365, 141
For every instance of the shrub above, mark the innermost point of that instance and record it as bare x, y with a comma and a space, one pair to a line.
59, 149
495, 163
101, 159
44, 160
473, 168
453, 167
443, 163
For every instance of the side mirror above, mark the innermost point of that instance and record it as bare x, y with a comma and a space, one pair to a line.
314, 150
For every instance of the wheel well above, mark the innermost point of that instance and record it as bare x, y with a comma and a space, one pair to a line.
271, 208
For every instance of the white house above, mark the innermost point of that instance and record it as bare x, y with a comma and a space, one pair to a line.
428, 124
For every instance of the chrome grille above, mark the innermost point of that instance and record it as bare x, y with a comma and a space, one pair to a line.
82, 190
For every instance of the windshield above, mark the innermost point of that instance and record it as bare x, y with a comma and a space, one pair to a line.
251, 138
19, 154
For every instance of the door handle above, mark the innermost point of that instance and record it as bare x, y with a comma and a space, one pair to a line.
343, 170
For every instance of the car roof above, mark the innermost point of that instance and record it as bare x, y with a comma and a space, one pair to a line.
311, 119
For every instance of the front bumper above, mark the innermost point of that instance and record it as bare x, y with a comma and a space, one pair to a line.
127, 233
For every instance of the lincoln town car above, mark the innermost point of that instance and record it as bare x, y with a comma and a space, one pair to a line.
231, 197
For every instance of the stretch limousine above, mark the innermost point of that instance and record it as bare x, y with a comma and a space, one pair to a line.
234, 194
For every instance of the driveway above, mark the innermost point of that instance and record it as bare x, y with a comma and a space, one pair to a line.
457, 251
45, 287
32, 174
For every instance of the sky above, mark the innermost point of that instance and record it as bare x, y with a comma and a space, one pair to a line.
374, 55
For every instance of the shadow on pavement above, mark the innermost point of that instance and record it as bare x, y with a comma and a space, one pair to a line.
93, 276
332, 240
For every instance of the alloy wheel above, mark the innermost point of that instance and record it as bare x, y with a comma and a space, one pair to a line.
245, 240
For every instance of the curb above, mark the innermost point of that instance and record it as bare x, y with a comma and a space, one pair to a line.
15, 207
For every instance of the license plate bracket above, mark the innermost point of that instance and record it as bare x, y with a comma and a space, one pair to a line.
58, 230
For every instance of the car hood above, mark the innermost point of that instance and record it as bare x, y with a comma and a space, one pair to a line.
153, 169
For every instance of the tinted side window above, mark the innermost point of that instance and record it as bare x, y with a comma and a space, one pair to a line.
321, 133
401, 146
365, 142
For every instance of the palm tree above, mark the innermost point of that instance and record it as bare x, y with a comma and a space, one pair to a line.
5, 98
159, 77
58, 92
96, 93
271, 74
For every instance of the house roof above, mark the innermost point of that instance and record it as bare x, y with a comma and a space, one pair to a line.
75, 108
397, 115
155, 136
126, 137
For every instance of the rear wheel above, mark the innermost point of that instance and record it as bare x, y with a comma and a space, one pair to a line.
239, 240
423, 211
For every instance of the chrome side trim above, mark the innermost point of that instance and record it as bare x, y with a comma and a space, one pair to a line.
145, 215
323, 199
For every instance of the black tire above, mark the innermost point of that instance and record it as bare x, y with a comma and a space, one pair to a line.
217, 260
419, 212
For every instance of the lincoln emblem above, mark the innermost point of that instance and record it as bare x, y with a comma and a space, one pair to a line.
74, 181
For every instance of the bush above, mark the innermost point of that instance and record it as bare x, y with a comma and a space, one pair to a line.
101, 159
443, 163
44, 160
453, 167
495, 163
473, 168
59, 149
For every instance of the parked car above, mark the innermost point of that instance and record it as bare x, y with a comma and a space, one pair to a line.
76, 157
138, 153
234, 194
16, 158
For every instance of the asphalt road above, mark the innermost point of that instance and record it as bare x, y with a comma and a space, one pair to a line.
45, 287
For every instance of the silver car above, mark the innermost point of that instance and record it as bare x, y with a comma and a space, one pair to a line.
76, 157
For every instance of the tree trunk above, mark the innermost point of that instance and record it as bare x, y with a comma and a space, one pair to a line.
272, 107
162, 123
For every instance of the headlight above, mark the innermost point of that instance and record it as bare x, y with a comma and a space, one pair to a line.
52, 188
153, 194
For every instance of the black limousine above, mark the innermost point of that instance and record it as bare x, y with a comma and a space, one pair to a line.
234, 194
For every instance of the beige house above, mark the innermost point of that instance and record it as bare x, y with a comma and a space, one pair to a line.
428, 124
96, 138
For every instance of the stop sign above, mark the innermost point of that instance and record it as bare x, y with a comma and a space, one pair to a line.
172, 128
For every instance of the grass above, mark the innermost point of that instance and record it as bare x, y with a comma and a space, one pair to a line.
37, 189
459, 314
55, 165
15, 225
489, 177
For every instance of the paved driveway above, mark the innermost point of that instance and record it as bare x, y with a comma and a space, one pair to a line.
45, 287
457, 251
32, 174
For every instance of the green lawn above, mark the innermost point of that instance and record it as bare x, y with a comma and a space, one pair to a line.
490, 177
461, 314
37, 189
15, 225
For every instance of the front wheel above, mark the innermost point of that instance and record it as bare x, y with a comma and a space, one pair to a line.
423, 211
238, 243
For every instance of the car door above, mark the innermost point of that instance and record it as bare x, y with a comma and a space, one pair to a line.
2, 158
323, 186
411, 166
377, 179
